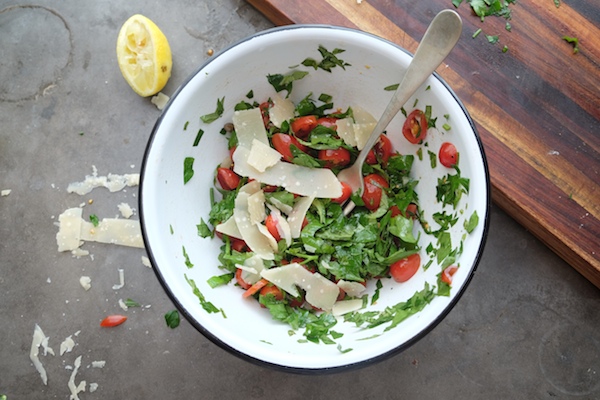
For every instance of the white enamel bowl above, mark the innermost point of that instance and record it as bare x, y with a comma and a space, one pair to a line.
171, 210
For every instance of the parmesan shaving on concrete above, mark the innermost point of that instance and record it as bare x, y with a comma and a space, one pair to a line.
75, 390
112, 182
38, 338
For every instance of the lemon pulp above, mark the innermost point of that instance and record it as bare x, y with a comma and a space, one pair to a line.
144, 55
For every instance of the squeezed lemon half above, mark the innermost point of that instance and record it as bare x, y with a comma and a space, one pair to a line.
144, 55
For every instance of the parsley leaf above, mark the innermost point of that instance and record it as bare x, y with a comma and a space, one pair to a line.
172, 319
285, 82
188, 169
203, 229
94, 220
206, 305
132, 303
329, 61
472, 222
450, 188
188, 263
220, 280
208, 118
574, 41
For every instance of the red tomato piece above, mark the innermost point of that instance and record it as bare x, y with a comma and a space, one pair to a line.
302, 126
328, 122
448, 155
406, 268
346, 193
264, 110
271, 225
282, 143
384, 149
273, 290
238, 277
371, 158
228, 179
112, 321
335, 157
447, 274
411, 211
238, 245
374, 185
415, 127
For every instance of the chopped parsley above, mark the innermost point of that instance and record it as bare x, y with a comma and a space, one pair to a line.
198, 137
220, 280
329, 61
450, 188
188, 263
204, 230
574, 41
94, 220
285, 82
172, 319
208, 118
206, 305
188, 169
132, 303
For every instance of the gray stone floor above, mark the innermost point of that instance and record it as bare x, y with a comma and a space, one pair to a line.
527, 327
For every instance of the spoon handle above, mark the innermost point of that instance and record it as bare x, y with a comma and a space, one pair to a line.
439, 39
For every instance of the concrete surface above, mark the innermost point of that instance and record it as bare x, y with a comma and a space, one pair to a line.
527, 327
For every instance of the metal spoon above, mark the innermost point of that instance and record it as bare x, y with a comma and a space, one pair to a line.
439, 39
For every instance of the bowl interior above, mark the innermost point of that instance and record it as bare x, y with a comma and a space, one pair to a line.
170, 209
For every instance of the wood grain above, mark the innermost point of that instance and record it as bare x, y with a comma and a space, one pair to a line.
536, 106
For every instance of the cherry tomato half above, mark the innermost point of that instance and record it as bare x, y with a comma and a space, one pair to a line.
238, 245
271, 225
448, 155
346, 193
282, 143
112, 321
302, 126
447, 274
335, 157
228, 179
374, 185
264, 110
328, 122
273, 290
411, 211
415, 127
238, 277
405, 269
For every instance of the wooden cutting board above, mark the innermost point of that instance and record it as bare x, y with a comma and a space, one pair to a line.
536, 105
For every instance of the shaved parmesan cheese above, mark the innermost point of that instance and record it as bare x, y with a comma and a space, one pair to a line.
75, 390
249, 125
362, 116
265, 232
284, 208
69, 233
262, 156
251, 269
85, 282
345, 130
67, 345
93, 387
160, 100
256, 207
5, 192
352, 289
362, 132
122, 305
73, 230
113, 231
121, 280
98, 364
283, 228
346, 306
296, 217
125, 210
320, 291
229, 228
283, 110
146, 262
318, 182
38, 338
112, 182
250, 233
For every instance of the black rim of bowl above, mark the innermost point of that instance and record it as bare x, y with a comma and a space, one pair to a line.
300, 370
